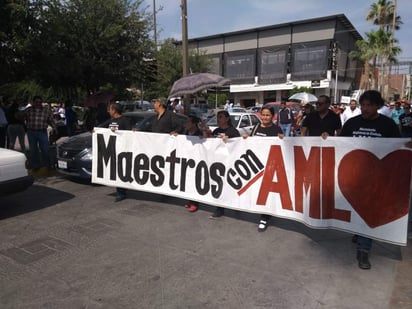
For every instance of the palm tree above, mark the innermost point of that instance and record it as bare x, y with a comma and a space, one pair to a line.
382, 13
378, 47
368, 54
387, 51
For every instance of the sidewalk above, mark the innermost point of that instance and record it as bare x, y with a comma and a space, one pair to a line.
76, 248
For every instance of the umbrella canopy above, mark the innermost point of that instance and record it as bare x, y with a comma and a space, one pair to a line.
304, 96
193, 83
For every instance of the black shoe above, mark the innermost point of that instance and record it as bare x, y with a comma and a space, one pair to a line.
263, 225
363, 259
355, 239
120, 198
218, 213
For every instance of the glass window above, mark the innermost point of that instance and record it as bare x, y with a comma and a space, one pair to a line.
235, 120
215, 67
240, 65
309, 62
272, 65
245, 121
255, 120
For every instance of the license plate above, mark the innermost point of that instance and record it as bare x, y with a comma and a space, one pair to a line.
62, 164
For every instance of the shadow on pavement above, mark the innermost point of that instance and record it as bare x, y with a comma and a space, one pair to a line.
26, 203
152, 197
324, 237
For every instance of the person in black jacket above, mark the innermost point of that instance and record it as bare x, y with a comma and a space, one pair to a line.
192, 129
166, 120
117, 122
224, 131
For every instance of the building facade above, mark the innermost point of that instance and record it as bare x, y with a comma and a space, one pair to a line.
264, 63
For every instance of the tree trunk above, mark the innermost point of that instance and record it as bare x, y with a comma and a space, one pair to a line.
373, 75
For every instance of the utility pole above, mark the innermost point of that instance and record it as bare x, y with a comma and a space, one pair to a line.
154, 24
335, 67
185, 52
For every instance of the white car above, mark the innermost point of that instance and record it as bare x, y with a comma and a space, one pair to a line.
14, 176
243, 122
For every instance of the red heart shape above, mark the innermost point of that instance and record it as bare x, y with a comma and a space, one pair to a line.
378, 190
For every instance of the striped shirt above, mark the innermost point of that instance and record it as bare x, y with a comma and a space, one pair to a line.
39, 118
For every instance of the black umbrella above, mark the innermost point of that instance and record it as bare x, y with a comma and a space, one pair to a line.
193, 83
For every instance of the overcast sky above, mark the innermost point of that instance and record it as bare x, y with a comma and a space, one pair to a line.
208, 17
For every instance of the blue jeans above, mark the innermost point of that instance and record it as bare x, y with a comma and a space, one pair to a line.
364, 243
286, 128
38, 142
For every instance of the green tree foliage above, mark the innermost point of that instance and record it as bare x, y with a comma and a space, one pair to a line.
381, 14
169, 67
15, 22
221, 99
81, 45
367, 52
380, 46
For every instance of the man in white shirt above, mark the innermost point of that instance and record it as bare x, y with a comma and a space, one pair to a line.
352, 111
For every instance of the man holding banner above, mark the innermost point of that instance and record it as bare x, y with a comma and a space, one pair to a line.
357, 185
369, 124
117, 122
323, 122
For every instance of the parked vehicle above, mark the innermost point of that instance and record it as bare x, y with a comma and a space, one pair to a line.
254, 109
243, 122
236, 109
14, 176
74, 155
130, 106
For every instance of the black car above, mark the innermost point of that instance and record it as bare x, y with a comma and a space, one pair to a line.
74, 155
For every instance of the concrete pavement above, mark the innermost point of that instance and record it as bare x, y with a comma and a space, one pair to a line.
66, 244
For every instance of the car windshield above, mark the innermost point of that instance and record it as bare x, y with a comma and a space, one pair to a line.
233, 118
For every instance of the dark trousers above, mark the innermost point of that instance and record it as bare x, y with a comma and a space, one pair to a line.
3, 134
121, 192
38, 143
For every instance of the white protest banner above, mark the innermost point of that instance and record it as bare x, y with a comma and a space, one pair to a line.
359, 185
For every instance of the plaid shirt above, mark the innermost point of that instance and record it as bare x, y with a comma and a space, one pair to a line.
39, 118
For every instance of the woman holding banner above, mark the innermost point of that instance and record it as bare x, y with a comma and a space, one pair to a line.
224, 131
192, 129
266, 128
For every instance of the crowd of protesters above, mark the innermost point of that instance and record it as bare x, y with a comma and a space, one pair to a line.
321, 119
39, 124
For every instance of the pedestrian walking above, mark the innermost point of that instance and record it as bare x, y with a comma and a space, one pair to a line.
369, 124
38, 118
266, 128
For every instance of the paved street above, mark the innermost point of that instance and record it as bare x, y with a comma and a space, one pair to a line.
66, 244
